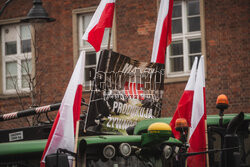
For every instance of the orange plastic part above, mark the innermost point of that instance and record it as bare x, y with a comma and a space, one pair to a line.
222, 99
181, 123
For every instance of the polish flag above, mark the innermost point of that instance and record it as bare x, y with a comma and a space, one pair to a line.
63, 129
197, 137
184, 108
103, 18
163, 34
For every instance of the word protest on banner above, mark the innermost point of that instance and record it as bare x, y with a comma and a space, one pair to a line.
124, 92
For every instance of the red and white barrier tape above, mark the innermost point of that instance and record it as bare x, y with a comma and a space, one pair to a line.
10, 116
43, 109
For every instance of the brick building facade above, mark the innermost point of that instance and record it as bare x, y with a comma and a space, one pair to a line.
221, 34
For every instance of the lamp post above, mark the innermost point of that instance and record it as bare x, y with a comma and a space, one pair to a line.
35, 16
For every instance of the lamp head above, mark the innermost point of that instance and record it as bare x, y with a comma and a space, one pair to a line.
37, 14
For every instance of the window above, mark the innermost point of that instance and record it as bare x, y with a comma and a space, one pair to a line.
91, 57
16, 56
186, 38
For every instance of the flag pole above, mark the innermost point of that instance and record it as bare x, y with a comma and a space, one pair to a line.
109, 39
76, 141
187, 143
110, 29
207, 155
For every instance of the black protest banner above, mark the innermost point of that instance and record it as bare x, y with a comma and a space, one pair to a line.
125, 91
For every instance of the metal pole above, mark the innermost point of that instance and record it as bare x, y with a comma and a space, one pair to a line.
109, 39
32, 111
28, 112
4, 6
76, 143
110, 32
206, 134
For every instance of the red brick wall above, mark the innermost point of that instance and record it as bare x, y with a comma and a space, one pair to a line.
15, 9
228, 58
136, 22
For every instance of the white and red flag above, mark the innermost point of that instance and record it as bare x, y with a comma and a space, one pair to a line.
103, 18
197, 137
184, 108
163, 36
63, 129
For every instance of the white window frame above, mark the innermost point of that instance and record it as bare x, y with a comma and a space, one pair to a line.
185, 36
88, 48
18, 57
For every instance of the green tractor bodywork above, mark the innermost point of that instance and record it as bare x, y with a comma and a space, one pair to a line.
145, 149
22, 147
212, 120
92, 148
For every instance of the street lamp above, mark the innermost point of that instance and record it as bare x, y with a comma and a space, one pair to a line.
37, 14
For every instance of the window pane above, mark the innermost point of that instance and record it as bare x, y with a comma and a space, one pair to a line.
176, 64
11, 69
26, 46
89, 74
106, 36
25, 32
25, 81
90, 58
10, 48
176, 48
26, 67
176, 26
176, 10
85, 21
193, 8
11, 83
194, 24
194, 46
86, 43
191, 60
10, 33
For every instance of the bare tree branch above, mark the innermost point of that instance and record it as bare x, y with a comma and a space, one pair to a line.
34, 80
